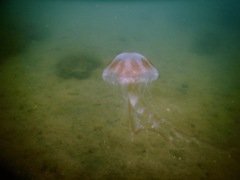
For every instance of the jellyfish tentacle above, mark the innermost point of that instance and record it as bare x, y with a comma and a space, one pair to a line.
134, 111
134, 119
140, 116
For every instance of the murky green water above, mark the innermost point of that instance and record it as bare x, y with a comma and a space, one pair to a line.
60, 120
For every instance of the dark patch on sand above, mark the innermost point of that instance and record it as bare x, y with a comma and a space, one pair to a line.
77, 66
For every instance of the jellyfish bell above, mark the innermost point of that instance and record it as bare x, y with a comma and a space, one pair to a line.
130, 68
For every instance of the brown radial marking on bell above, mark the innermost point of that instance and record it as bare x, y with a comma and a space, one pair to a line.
135, 66
146, 64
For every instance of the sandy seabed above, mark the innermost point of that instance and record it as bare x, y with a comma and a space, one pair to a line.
75, 126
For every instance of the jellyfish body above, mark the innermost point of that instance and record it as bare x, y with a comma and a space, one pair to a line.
133, 73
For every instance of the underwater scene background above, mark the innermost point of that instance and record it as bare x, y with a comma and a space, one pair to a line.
60, 120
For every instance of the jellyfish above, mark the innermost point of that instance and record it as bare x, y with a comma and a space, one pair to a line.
134, 73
